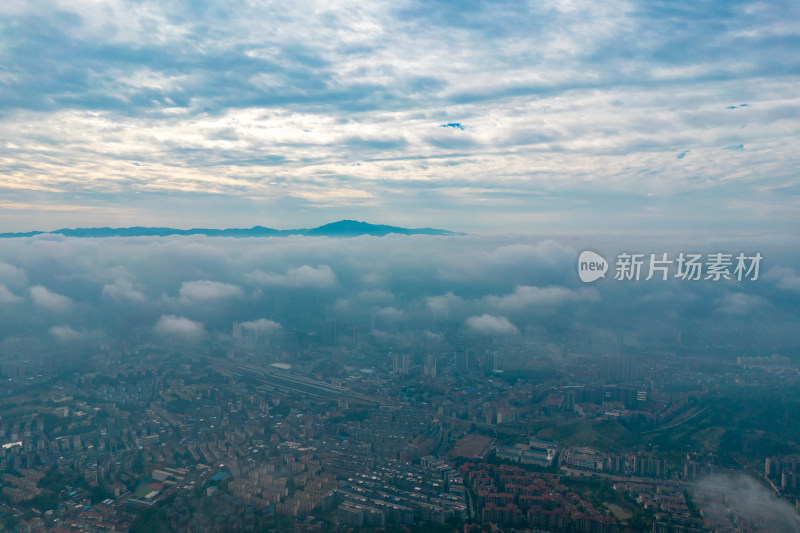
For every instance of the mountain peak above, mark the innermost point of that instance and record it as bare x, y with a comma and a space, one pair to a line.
342, 228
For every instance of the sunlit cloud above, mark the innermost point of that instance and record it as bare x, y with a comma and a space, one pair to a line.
304, 276
123, 290
262, 326
193, 292
66, 333
178, 326
491, 325
443, 303
49, 300
8, 297
523, 297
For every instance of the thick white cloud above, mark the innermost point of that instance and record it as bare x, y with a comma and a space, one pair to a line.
12, 276
192, 292
178, 326
262, 326
66, 333
722, 493
739, 303
321, 277
433, 337
482, 264
49, 300
491, 325
524, 296
443, 303
123, 289
784, 278
8, 297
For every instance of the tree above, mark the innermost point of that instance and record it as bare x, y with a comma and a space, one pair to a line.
152, 520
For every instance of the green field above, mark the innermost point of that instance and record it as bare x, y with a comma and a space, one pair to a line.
147, 488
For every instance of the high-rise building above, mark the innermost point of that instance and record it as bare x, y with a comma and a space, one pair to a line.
464, 360
430, 365
494, 363
620, 368
401, 363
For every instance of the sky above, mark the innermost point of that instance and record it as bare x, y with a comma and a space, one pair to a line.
541, 117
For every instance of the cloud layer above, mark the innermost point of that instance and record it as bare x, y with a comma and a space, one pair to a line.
396, 291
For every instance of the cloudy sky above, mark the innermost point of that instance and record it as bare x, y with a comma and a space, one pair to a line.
529, 117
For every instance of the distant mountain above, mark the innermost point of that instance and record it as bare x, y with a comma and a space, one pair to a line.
352, 228
343, 228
